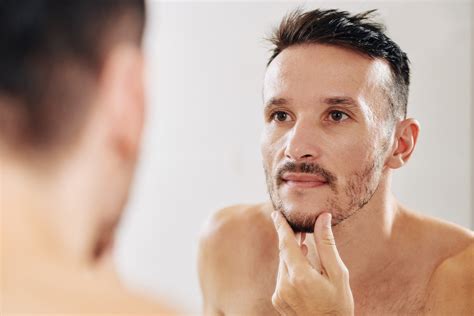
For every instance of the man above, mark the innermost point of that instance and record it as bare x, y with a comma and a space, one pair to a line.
335, 98
71, 116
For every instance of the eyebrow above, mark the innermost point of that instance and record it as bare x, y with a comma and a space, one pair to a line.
347, 101
276, 102
342, 100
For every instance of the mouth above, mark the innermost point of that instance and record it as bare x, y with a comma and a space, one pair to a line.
303, 180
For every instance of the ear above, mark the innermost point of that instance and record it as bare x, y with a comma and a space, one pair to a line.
122, 90
406, 135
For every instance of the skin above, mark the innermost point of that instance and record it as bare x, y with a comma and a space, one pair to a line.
309, 287
60, 208
397, 261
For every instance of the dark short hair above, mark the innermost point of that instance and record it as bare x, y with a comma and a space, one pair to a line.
46, 46
357, 32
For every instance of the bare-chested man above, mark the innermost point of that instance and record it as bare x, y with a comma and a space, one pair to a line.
71, 116
335, 100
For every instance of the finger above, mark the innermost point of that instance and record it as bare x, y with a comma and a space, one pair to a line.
313, 256
278, 301
300, 237
282, 273
282, 307
290, 251
304, 250
326, 246
303, 237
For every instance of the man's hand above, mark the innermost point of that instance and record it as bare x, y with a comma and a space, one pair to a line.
311, 288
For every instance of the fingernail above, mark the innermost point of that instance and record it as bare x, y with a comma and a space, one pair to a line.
274, 215
327, 219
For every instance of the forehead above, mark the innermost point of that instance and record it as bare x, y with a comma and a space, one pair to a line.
320, 71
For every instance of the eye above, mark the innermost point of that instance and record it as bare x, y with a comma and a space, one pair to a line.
338, 116
280, 116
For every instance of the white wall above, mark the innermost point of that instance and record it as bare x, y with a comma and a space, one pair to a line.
201, 148
472, 115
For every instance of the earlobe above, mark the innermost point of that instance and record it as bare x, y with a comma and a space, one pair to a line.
406, 136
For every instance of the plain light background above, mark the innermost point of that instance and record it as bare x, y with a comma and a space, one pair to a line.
201, 149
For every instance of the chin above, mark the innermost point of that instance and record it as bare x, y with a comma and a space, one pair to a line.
301, 218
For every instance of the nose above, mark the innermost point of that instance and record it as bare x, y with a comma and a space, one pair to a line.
302, 143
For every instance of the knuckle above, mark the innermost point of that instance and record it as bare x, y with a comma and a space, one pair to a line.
281, 292
281, 244
342, 278
278, 226
344, 273
276, 300
279, 298
341, 274
329, 240
285, 292
298, 280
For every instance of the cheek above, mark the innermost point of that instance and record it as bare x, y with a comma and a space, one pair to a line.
271, 146
350, 154
265, 146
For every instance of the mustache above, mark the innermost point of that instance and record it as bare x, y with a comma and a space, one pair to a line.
304, 167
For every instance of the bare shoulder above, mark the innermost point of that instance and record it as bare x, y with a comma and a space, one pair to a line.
118, 299
229, 232
435, 238
135, 303
81, 293
230, 222
451, 287
233, 242
443, 252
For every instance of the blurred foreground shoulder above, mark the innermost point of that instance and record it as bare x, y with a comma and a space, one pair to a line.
81, 293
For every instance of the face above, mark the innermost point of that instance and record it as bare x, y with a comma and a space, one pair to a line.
326, 132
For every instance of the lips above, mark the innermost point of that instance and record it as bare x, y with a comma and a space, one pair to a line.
303, 180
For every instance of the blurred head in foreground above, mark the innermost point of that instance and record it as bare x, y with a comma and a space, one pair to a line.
71, 116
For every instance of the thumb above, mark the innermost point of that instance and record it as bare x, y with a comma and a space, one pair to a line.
326, 245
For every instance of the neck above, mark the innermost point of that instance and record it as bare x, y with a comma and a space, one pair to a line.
365, 240
42, 218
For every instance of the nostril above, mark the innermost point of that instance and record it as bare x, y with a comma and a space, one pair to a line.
307, 156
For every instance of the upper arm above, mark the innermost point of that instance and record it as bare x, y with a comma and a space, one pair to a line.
213, 253
207, 274
452, 286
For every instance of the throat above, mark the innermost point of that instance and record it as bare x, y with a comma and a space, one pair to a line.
368, 242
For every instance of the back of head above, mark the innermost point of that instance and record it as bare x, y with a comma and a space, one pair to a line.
52, 52
357, 32
66, 66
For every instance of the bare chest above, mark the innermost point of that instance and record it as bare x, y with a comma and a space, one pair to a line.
250, 290
393, 295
